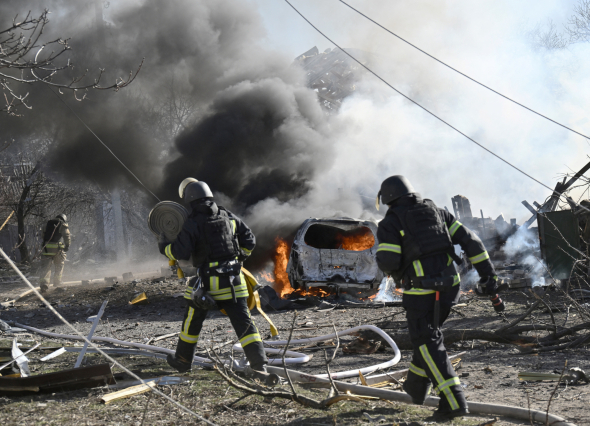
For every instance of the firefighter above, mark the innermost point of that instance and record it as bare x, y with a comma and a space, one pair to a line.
219, 242
56, 242
416, 248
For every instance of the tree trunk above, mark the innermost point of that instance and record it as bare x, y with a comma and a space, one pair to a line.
22, 242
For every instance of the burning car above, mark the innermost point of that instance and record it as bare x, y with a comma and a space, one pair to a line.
335, 252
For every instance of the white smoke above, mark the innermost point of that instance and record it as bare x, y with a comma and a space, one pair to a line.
523, 248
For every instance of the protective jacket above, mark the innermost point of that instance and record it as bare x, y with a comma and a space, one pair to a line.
218, 241
416, 239
56, 231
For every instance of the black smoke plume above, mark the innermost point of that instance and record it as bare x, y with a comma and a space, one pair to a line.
254, 133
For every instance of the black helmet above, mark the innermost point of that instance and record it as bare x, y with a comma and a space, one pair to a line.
394, 187
196, 191
62, 217
184, 184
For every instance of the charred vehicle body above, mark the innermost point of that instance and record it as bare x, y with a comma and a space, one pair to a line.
335, 252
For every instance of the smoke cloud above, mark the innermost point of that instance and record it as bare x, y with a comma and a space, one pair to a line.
212, 101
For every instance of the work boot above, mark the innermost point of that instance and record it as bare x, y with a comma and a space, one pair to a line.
260, 373
178, 363
44, 288
445, 413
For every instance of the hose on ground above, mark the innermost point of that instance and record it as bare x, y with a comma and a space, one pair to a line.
474, 407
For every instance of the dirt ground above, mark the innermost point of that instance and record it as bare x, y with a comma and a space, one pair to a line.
488, 371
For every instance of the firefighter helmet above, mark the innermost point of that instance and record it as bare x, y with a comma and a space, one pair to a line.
196, 191
393, 188
184, 184
62, 217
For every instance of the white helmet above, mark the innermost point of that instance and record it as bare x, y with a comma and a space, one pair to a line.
184, 184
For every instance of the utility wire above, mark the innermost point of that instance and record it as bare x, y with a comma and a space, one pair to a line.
463, 74
99, 350
416, 103
103, 144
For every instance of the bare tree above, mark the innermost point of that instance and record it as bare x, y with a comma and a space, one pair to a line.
26, 59
578, 27
26, 190
547, 37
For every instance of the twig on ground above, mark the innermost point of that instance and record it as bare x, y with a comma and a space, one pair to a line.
553, 393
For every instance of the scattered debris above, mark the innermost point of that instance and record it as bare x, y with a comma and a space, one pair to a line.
573, 376
84, 377
92, 329
128, 276
361, 345
54, 354
140, 299
21, 360
128, 392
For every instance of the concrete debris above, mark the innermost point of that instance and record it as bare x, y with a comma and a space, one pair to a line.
127, 276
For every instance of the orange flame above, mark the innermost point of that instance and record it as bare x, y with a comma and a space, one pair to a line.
360, 240
281, 258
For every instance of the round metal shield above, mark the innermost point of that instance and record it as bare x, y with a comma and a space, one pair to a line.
167, 217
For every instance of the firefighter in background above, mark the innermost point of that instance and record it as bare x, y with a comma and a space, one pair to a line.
416, 248
56, 242
219, 242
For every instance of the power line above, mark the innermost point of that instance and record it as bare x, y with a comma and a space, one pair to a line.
103, 144
416, 103
99, 350
463, 74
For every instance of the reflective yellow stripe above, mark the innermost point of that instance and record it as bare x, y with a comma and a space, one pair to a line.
451, 382
241, 287
479, 258
250, 338
419, 291
456, 280
456, 225
418, 268
168, 252
417, 371
233, 226
390, 247
245, 250
52, 245
189, 338
188, 320
450, 260
439, 378
402, 232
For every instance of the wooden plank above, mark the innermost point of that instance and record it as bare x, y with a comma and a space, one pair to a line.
75, 378
129, 392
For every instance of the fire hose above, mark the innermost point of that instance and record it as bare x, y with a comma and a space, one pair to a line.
297, 358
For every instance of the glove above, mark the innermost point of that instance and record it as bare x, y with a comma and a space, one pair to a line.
66, 248
490, 284
162, 242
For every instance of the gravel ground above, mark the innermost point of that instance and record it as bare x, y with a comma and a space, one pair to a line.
489, 369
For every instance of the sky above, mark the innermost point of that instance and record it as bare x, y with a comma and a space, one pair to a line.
489, 41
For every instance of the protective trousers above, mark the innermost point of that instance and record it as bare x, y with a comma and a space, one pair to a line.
430, 362
239, 315
58, 260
